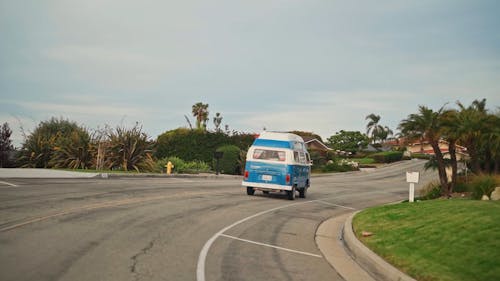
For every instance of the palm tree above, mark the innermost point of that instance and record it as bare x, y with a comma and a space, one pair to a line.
426, 125
200, 112
472, 128
373, 129
451, 133
217, 121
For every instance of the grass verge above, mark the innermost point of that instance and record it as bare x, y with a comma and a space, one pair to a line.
437, 239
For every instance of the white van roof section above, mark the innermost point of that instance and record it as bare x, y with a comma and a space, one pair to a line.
280, 136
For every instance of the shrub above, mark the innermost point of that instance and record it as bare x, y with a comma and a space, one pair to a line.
421, 156
387, 157
338, 166
230, 161
431, 191
181, 166
483, 185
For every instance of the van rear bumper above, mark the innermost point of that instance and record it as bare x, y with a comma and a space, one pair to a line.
266, 186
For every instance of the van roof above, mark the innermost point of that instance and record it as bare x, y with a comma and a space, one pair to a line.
280, 136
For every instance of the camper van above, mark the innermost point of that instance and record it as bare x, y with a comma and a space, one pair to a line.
278, 162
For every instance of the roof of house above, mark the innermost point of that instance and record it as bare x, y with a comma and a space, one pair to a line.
308, 140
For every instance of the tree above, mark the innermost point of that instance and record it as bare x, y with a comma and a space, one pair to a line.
479, 133
349, 141
5, 145
37, 149
373, 128
217, 121
427, 125
200, 112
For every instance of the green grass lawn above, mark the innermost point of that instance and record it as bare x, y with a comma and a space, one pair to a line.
363, 161
436, 239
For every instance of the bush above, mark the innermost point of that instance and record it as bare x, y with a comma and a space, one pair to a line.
483, 185
431, 191
387, 157
181, 166
338, 166
230, 161
420, 156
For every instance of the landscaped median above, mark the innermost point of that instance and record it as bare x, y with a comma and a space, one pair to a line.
454, 239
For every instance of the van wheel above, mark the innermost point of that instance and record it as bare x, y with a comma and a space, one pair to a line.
265, 192
303, 192
250, 190
291, 193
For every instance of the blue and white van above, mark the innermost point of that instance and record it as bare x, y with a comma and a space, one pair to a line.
278, 162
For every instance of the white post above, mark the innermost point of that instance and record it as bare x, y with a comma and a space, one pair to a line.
412, 192
412, 178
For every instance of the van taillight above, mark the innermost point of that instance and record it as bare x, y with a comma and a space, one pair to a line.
287, 178
246, 175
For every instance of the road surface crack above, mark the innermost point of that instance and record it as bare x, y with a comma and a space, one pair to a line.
135, 258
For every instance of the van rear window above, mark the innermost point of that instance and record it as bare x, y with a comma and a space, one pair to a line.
267, 154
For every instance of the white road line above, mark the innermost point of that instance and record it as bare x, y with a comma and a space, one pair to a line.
336, 205
200, 268
272, 246
8, 183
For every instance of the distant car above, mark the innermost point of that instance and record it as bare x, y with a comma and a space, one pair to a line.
278, 162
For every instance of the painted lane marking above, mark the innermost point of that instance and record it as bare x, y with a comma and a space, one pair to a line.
336, 205
8, 183
272, 246
200, 268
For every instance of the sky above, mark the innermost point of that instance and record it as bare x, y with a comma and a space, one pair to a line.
318, 65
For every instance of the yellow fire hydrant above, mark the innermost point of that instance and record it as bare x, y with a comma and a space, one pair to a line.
169, 167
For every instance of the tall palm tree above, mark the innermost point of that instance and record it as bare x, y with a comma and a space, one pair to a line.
217, 121
451, 133
472, 128
200, 112
426, 125
373, 128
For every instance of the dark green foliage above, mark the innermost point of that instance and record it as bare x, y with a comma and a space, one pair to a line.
129, 149
431, 191
72, 151
349, 141
38, 147
181, 166
190, 145
387, 157
336, 165
199, 145
482, 185
230, 161
6, 147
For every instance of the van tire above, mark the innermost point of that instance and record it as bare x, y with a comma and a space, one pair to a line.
265, 192
291, 193
303, 192
250, 190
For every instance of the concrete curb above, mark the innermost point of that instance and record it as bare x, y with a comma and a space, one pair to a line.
371, 262
330, 242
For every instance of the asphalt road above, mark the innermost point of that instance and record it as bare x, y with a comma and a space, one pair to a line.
178, 228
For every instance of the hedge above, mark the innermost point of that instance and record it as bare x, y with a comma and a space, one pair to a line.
387, 157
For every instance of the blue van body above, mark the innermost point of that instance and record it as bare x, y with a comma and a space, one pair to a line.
278, 162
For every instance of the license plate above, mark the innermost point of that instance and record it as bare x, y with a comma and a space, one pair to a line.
267, 178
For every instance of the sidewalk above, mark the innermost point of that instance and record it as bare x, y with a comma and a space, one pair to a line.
350, 258
50, 173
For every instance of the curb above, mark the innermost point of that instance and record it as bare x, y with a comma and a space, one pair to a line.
184, 176
368, 260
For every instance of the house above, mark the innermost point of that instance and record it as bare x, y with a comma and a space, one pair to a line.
313, 144
424, 147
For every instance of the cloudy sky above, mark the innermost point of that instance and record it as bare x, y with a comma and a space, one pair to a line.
315, 65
